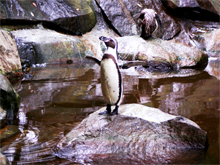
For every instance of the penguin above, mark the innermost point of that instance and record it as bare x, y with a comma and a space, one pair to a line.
110, 76
149, 22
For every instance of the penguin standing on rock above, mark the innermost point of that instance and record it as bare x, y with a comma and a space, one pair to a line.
110, 76
149, 21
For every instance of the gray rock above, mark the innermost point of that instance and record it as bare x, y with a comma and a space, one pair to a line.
48, 46
74, 16
9, 99
202, 6
138, 133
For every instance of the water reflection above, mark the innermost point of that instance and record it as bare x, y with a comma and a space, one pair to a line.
58, 97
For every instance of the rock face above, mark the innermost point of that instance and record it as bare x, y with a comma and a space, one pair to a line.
47, 46
196, 9
160, 51
139, 133
122, 15
74, 16
9, 99
10, 61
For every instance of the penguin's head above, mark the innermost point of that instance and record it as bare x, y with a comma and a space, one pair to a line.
112, 46
109, 42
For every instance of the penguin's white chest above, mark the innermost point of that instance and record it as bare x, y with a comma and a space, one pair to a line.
110, 81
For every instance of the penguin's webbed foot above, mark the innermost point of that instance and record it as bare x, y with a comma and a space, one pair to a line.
115, 111
107, 111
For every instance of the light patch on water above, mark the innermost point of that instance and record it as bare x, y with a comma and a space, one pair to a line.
39, 65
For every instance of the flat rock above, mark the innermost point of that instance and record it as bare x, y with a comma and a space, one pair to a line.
138, 133
160, 51
48, 46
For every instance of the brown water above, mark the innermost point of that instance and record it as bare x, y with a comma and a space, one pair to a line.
58, 97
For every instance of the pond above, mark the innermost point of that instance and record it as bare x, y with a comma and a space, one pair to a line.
56, 98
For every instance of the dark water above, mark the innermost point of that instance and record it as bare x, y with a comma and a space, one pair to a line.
58, 97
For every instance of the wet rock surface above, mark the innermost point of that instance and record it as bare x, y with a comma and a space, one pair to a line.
74, 16
8, 131
138, 132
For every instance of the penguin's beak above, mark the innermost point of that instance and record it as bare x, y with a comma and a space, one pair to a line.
104, 39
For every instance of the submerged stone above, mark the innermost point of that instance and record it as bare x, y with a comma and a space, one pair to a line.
8, 132
139, 133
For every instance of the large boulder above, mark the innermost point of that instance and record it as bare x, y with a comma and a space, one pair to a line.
140, 134
9, 61
74, 16
122, 16
157, 51
48, 46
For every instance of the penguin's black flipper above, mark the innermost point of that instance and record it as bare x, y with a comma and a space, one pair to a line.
97, 61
